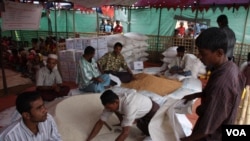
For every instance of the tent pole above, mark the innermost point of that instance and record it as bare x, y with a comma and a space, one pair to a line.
129, 19
158, 34
74, 27
195, 21
55, 23
97, 24
49, 22
244, 34
67, 30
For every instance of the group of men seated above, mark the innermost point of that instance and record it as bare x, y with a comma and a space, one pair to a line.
92, 75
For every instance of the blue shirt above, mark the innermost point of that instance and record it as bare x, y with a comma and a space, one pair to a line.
86, 71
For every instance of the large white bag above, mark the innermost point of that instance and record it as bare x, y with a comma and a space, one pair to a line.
170, 52
112, 39
136, 36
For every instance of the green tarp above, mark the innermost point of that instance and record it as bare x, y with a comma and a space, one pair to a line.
146, 21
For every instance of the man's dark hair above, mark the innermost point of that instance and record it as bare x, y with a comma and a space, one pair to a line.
213, 39
21, 49
181, 49
108, 97
118, 44
89, 50
222, 19
248, 56
23, 101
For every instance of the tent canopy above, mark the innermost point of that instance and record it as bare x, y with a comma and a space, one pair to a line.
187, 3
162, 3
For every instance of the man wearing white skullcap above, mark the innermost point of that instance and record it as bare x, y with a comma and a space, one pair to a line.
52, 56
49, 80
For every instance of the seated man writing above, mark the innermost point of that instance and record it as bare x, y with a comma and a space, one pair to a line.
35, 124
180, 67
49, 80
111, 63
89, 77
130, 108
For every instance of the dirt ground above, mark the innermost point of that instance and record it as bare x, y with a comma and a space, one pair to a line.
15, 89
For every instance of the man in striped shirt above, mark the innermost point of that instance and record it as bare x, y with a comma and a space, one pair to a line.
35, 125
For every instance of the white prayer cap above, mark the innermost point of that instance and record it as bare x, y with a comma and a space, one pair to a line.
33, 51
53, 56
9, 51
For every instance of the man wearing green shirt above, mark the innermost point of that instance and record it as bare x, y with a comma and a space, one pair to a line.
89, 77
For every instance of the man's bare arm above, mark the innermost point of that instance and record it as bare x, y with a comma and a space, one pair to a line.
95, 130
124, 134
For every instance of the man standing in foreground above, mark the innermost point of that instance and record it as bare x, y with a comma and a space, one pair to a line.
221, 96
129, 108
35, 124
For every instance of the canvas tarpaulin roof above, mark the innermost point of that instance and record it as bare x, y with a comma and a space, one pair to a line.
182, 3
99, 3
161, 3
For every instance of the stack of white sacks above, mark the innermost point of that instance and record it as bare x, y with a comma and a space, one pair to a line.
134, 49
191, 61
134, 46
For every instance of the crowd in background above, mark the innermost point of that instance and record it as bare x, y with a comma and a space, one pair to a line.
192, 30
27, 60
109, 27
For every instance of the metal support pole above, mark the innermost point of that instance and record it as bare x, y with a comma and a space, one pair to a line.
56, 24
97, 23
74, 26
67, 30
195, 21
129, 19
244, 34
158, 34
